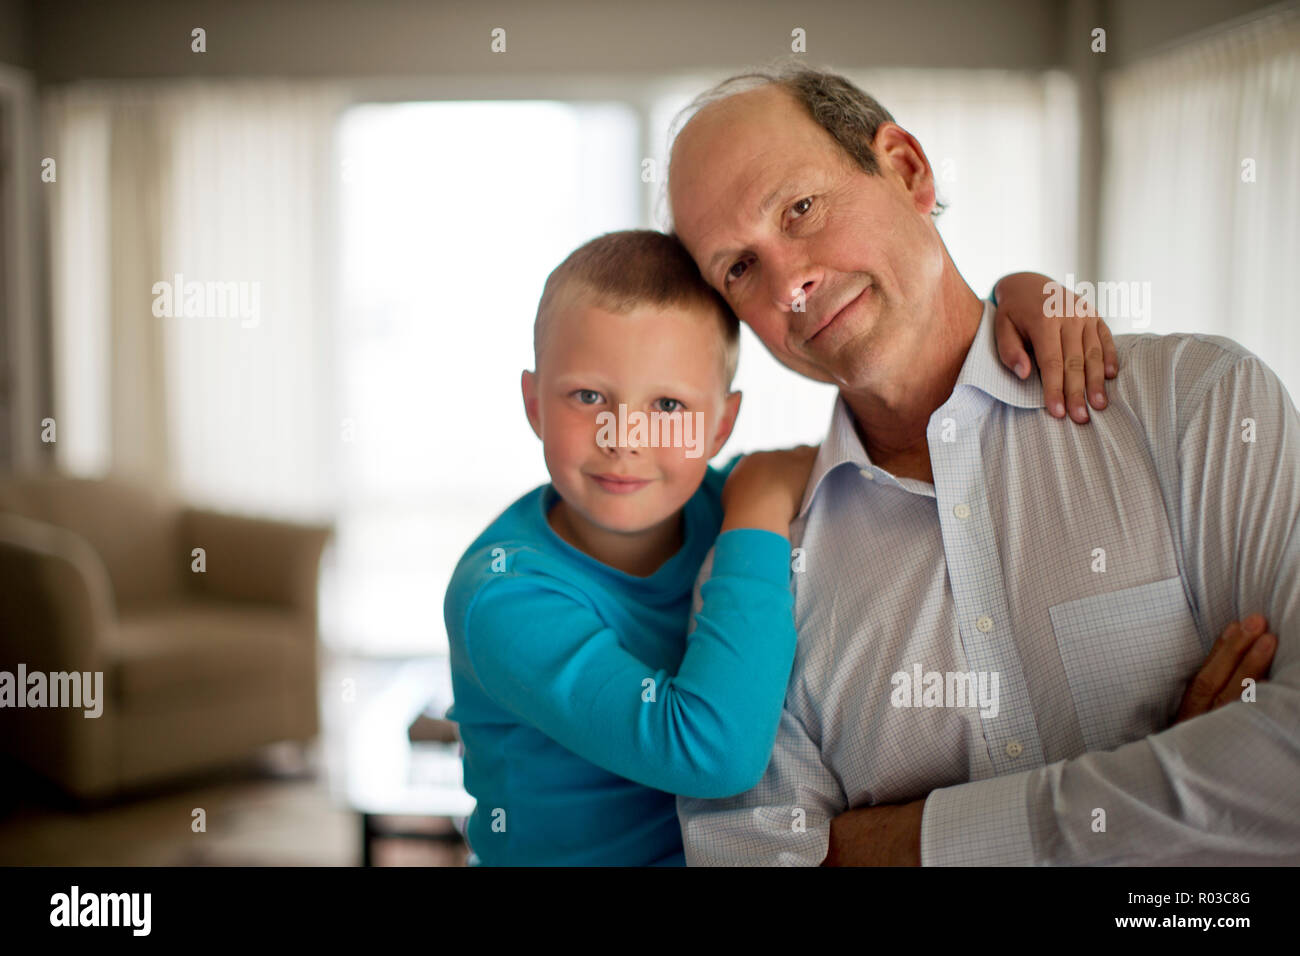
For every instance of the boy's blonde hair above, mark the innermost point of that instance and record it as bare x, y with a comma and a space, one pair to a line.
620, 271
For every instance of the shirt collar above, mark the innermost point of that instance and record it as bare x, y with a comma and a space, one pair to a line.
982, 369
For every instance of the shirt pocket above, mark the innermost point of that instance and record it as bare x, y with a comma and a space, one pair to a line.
1128, 656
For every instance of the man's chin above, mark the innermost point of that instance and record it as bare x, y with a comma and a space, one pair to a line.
800, 362
812, 371
847, 366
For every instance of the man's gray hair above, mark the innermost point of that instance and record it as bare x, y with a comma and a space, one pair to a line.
848, 114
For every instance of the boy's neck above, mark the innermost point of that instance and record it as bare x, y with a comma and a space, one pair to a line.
640, 554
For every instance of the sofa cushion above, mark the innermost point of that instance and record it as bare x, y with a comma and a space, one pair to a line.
132, 528
216, 649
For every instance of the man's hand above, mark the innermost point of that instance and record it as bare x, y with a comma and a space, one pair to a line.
765, 489
1069, 341
887, 835
1243, 650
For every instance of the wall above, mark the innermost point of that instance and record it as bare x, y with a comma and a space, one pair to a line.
1138, 28
15, 34
21, 358
141, 38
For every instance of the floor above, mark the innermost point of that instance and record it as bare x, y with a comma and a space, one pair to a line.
282, 808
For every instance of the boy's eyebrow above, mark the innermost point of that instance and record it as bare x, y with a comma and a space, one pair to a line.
599, 381
567, 383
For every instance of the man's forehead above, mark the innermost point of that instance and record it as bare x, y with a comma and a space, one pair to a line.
732, 155
732, 204
760, 114
770, 100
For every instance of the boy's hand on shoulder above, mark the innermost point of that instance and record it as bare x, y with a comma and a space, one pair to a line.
1071, 343
765, 489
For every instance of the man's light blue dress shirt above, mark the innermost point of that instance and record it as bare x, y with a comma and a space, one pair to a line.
1090, 569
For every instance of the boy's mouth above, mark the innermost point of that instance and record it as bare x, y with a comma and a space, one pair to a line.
619, 485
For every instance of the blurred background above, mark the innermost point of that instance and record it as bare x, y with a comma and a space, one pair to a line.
268, 272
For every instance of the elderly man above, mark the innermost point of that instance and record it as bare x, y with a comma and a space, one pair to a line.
1070, 580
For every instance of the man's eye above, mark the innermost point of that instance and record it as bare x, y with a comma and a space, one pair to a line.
587, 396
732, 273
670, 405
802, 206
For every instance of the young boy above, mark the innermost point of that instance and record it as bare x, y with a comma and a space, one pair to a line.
583, 702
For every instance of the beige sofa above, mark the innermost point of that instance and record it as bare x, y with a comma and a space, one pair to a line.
199, 669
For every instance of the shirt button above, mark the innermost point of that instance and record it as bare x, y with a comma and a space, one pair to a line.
868, 474
985, 624
962, 512
1014, 749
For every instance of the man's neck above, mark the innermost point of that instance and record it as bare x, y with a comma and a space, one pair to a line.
891, 415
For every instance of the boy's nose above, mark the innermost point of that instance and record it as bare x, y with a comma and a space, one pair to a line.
614, 449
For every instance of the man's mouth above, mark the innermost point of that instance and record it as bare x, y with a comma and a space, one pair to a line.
839, 313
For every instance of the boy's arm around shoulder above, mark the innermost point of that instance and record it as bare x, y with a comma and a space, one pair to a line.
537, 646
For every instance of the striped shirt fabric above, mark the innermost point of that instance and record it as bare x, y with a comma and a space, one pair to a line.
1014, 640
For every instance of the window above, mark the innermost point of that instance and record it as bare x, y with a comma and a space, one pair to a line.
452, 215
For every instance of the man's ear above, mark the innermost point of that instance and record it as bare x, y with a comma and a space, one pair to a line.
528, 384
898, 151
730, 409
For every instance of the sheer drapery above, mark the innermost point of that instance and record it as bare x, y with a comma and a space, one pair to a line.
191, 234
1200, 193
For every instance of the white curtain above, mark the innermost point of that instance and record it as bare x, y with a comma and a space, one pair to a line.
223, 193
76, 129
1201, 197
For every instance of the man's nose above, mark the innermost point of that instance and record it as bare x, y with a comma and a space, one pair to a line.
793, 296
792, 286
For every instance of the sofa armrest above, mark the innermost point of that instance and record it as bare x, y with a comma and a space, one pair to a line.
57, 608
255, 559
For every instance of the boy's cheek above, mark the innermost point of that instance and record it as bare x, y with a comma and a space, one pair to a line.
568, 433
687, 472
568, 448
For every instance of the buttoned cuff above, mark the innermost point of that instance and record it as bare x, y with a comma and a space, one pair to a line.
984, 823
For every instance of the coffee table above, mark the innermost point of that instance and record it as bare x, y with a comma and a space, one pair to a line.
389, 776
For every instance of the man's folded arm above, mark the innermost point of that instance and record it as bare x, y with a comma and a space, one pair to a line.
783, 821
1222, 788
1219, 789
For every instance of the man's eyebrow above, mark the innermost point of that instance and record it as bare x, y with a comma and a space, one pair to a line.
764, 208
766, 205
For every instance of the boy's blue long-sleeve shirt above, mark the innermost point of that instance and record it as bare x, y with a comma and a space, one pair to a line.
583, 703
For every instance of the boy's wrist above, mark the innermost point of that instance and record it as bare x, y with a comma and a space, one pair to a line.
754, 553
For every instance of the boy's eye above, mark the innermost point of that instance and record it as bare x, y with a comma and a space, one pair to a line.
587, 396
670, 405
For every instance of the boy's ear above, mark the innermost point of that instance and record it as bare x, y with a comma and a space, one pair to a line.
528, 383
730, 409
